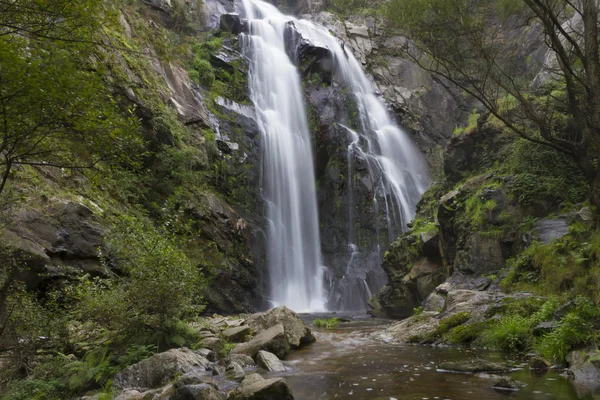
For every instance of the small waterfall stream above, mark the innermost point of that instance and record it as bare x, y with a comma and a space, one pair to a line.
289, 188
386, 146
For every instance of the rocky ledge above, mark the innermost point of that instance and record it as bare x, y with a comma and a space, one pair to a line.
227, 365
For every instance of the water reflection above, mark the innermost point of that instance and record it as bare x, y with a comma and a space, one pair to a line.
347, 364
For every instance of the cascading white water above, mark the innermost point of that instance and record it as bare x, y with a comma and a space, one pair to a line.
404, 169
289, 188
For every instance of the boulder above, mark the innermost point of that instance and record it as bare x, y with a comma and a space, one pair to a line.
255, 387
209, 354
201, 391
296, 331
273, 339
129, 395
585, 367
212, 343
237, 334
164, 393
547, 230
269, 361
242, 359
234, 371
473, 366
160, 369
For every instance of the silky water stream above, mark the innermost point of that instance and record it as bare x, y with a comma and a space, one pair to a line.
346, 363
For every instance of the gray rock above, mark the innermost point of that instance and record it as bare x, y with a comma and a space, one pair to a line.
201, 391
473, 366
234, 371
461, 281
548, 230
273, 340
212, 343
545, 327
242, 359
160, 369
163, 393
255, 387
209, 354
269, 361
206, 334
129, 395
295, 329
585, 367
237, 334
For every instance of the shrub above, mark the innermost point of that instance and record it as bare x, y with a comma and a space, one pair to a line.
576, 328
511, 333
330, 323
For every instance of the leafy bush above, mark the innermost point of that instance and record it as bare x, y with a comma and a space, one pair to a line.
541, 173
576, 328
511, 333
567, 264
330, 323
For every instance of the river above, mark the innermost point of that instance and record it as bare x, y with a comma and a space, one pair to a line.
346, 363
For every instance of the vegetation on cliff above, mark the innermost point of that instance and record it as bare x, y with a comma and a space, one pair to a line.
477, 47
91, 128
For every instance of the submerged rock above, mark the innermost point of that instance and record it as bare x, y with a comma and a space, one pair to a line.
473, 366
269, 361
506, 384
255, 387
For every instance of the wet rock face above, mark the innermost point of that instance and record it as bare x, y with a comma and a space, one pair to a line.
414, 267
424, 104
63, 233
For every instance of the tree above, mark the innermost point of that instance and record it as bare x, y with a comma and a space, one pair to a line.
55, 107
477, 45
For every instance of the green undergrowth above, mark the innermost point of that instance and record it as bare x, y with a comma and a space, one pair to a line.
569, 264
330, 323
574, 328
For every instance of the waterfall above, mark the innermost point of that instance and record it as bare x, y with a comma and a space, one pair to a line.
387, 148
395, 164
288, 187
